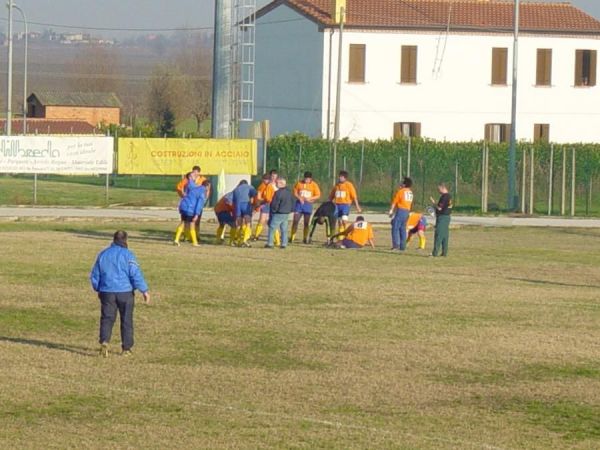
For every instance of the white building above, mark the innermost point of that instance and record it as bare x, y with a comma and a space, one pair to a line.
440, 69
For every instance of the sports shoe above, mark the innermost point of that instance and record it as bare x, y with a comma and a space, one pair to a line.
104, 349
246, 244
126, 353
195, 245
176, 243
269, 246
305, 241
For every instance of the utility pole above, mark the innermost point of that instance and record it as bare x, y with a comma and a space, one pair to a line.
512, 152
26, 25
338, 94
9, 75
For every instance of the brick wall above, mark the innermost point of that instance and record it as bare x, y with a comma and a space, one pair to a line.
94, 116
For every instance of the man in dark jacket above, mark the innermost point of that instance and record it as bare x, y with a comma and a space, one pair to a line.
281, 207
115, 276
443, 209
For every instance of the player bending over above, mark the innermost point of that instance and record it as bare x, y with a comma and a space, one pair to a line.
306, 192
264, 195
326, 214
357, 235
224, 212
417, 224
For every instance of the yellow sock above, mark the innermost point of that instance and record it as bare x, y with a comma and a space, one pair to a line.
179, 232
220, 232
247, 233
293, 236
187, 234
342, 228
193, 236
277, 238
422, 242
258, 231
232, 235
305, 234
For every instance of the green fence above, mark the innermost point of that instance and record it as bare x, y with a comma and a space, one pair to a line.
376, 167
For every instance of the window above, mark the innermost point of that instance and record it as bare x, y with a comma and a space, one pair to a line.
408, 70
357, 63
497, 132
585, 68
407, 129
543, 76
541, 132
499, 62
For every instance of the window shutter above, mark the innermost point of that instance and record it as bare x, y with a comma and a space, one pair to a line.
356, 72
593, 62
537, 132
499, 61
578, 67
417, 131
408, 71
488, 132
544, 67
397, 130
506, 130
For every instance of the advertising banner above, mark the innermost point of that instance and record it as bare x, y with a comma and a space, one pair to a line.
56, 155
157, 156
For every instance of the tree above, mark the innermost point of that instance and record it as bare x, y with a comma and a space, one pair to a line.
166, 97
167, 125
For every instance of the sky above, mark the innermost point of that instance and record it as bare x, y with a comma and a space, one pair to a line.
148, 14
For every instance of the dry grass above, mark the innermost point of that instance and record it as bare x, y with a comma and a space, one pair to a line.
495, 347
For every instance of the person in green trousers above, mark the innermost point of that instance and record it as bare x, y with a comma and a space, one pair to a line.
443, 209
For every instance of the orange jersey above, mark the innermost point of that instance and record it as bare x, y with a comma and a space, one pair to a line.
413, 220
360, 233
223, 206
307, 190
266, 192
343, 193
403, 199
184, 182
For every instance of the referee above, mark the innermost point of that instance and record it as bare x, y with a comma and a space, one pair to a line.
443, 209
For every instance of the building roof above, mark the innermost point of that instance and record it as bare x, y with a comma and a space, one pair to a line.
50, 126
480, 15
92, 99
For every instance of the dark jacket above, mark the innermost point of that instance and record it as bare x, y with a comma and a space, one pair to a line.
283, 202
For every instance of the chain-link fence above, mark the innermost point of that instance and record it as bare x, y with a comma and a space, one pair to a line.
551, 179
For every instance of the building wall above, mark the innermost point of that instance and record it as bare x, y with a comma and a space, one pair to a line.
289, 72
455, 103
94, 116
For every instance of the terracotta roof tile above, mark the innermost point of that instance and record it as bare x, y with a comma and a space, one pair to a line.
50, 126
489, 15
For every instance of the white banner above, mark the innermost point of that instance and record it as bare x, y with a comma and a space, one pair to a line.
56, 155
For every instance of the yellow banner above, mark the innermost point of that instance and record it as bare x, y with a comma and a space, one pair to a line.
157, 156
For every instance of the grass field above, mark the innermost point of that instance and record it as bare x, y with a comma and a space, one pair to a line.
494, 347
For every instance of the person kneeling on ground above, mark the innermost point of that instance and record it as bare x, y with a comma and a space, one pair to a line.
326, 214
357, 235
115, 276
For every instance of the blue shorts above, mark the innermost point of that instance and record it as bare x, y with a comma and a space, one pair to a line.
225, 218
350, 244
265, 209
303, 208
243, 209
187, 219
343, 210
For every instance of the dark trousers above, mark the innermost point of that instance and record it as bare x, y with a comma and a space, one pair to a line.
110, 303
442, 235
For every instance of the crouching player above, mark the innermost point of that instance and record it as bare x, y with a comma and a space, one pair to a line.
326, 214
306, 193
417, 224
224, 213
357, 235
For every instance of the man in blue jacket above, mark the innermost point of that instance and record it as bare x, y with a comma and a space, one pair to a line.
115, 276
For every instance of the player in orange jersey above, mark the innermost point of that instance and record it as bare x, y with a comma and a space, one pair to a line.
265, 192
399, 212
307, 192
343, 195
357, 235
